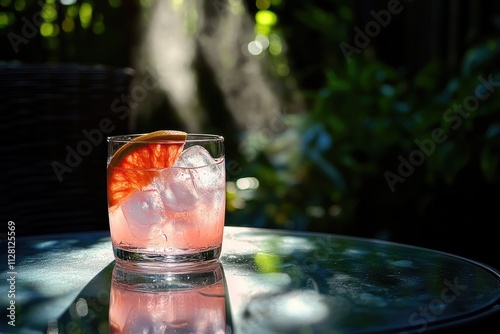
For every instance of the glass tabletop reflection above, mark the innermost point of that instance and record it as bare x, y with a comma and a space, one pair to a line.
267, 281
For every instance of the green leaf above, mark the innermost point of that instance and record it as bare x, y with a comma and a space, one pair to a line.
477, 56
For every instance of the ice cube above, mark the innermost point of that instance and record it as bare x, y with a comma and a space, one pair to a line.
181, 229
177, 190
194, 156
145, 213
140, 321
209, 178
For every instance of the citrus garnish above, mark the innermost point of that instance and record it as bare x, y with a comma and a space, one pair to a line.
132, 166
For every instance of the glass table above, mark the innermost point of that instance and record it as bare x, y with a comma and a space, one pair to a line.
273, 281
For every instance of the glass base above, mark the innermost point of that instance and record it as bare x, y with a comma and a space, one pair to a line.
176, 279
128, 258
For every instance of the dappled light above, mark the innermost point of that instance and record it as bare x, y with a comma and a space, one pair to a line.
188, 45
341, 117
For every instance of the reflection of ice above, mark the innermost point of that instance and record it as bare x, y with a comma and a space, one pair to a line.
144, 213
138, 323
151, 322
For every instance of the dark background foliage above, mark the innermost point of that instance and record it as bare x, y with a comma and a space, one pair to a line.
418, 78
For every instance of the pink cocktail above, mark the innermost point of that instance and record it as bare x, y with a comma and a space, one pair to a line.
166, 198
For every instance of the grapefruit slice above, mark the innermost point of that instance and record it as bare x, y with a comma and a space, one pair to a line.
133, 165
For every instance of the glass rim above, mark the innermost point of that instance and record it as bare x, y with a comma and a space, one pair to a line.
191, 138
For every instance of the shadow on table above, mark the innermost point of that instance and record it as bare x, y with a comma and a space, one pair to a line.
110, 303
88, 313
47, 274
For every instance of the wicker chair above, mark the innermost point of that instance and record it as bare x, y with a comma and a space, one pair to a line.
55, 119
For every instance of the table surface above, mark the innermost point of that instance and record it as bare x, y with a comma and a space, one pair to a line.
275, 282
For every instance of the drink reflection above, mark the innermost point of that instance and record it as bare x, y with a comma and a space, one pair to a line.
189, 301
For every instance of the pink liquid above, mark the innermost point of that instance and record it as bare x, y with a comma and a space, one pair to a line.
149, 221
198, 310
